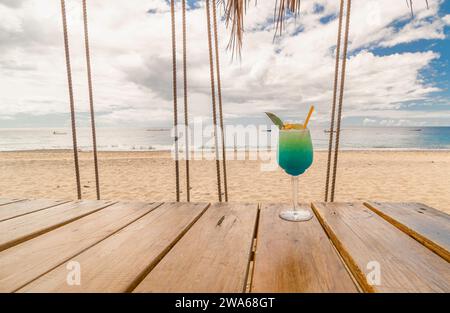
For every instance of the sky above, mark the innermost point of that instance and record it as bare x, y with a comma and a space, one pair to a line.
397, 71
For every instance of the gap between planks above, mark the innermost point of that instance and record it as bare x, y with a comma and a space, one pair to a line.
104, 258
400, 255
431, 236
9, 201
151, 206
26, 207
296, 256
338, 253
38, 224
251, 261
215, 254
158, 259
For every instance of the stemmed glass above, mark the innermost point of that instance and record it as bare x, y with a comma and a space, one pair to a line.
295, 156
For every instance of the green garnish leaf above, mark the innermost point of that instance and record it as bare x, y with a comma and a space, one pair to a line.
275, 119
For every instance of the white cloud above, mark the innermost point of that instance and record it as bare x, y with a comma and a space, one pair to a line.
401, 123
369, 121
446, 19
131, 57
416, 30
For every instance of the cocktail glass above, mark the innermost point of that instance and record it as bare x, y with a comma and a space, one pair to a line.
295, 156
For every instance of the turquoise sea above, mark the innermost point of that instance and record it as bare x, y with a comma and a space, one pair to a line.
140, 139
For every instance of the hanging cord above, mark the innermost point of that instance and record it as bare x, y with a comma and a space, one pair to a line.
213, 95
72, 106
175, 104
91, 97
409, 4
219, 93
341, 96
333, 109
186, 117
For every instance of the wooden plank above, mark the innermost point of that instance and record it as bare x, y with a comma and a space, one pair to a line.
20, 208
4, 201
296, 257
427, 225
212, 257
370, 246
19, 229
23, 263
119, 262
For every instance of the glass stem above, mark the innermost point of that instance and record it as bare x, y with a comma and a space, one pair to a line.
294, 180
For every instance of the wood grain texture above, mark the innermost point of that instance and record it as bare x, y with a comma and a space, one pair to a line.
4, 201
296, 257
19, 229
212, 257
20, 208
362, 238
23, 263
427, 225
119, 262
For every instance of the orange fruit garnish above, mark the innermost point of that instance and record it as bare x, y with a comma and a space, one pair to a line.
292, 126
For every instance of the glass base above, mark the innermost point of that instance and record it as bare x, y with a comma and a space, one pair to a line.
296, 216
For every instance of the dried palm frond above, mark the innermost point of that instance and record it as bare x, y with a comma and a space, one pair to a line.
234, 16
282, 9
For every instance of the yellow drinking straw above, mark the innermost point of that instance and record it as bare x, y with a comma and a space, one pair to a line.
308, 117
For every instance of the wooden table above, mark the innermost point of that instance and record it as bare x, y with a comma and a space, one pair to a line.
46, 245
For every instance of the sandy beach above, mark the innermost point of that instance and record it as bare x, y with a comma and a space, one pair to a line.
419, 176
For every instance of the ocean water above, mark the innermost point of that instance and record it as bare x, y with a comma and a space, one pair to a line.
140, 139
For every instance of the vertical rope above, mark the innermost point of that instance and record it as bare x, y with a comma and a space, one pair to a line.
213, 95
72, 106
175, 104
186, 117
333, 109
341, 97
91, 97
219, 93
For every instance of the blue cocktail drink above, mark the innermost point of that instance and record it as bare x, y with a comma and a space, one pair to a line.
295, 151
295, 156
